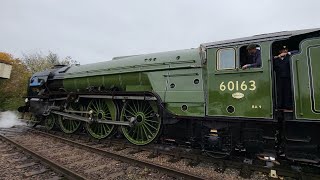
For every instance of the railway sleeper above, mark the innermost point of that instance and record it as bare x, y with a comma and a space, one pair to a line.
135, 151
120, 147
155, 153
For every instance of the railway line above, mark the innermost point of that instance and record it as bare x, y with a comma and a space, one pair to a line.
246, 168
19, 163
160, 160
76, 160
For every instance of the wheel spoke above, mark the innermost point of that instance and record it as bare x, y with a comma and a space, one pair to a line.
131, 108
107, 126
130, 131
71, 124
145, 132
141, 133
134, 106
148, 117
104, 129
94, 108
151, 126
147, 126
130, 112
138, 133
152, 121
105, 107
74, 124
100, 130
149, 112
144, 105
50, 121
135, 132
68, 125
138, 106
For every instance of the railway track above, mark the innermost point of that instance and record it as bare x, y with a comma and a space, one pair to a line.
125, 152
53, 151
246, 167
32, 163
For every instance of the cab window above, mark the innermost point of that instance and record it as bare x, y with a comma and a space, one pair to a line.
247, 58
226, 59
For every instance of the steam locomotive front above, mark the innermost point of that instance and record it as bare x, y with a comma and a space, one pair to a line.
40, 84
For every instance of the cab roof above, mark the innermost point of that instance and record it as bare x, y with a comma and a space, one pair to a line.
260, 38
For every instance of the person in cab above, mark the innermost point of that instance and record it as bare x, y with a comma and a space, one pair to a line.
281, 64
254, 57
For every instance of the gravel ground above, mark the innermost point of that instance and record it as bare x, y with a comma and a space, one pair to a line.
86, 163
205, 170
11, 158
99, 167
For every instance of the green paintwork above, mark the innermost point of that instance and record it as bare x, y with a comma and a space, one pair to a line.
172, 75
307, 61
185, 92
150, 72
148, 124
105, 110
254, 104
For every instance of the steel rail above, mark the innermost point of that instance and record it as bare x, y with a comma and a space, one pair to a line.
67, 173
280, 171
126, 159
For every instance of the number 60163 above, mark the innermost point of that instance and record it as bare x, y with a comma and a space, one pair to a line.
236, 85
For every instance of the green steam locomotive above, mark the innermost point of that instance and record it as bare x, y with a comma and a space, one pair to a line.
199, 97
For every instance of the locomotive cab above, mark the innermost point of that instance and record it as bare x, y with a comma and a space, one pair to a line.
242, 96
250, 97
300, 127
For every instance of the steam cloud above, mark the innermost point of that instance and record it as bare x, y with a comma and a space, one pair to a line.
9, 119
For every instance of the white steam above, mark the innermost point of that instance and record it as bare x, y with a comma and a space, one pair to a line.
9, 119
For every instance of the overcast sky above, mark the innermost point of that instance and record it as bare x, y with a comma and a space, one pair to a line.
97, 30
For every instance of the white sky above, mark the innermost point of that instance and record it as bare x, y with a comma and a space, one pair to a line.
97, 30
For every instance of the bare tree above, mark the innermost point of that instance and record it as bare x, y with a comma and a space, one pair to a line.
38, 61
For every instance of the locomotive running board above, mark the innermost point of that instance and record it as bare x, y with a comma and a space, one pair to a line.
90, 120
